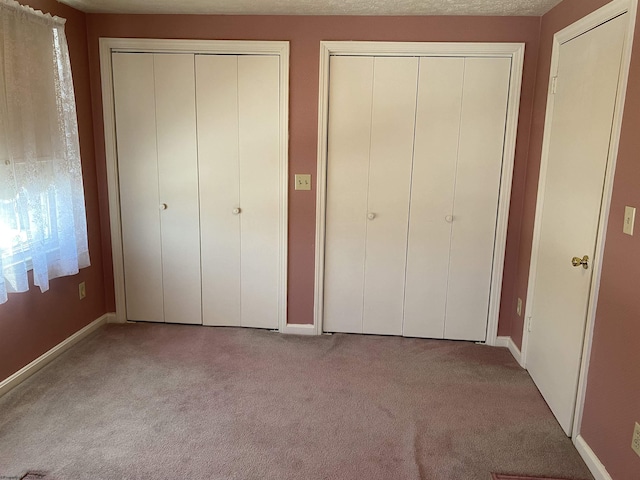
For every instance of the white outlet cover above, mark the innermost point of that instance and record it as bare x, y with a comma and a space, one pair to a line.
635, 443
629, 220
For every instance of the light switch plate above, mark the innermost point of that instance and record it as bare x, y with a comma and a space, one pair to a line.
303, 182
629, 220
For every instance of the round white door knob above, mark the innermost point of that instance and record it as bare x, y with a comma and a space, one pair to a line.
163, 206
236, 211
371, 216
449, 218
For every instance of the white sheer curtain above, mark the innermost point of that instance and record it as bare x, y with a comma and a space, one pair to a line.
42, 211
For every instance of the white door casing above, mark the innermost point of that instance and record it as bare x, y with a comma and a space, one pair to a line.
332, 50
110, 46
572, 206
483, 123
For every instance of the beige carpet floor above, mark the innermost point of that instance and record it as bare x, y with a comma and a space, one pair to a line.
144, 401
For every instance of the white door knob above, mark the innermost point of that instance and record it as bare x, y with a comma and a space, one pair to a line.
236, 211
163, 206
371, 216
449, 218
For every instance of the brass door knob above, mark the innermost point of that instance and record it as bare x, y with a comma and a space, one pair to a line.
584, 261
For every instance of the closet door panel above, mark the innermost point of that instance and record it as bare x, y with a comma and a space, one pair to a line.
350, 100
135, 114
392, 134
433, 184
217, 105
259, 149
482, 130
178, 186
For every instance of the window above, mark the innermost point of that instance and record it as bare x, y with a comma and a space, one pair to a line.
42, 212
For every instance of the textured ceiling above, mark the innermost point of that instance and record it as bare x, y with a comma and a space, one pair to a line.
320, 7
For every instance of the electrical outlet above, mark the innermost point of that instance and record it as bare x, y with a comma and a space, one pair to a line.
82, 290
635, 443
519, 308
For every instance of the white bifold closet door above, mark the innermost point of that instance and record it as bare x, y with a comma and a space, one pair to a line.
372, 108
239, 150
460, 127
158, 177
413, 178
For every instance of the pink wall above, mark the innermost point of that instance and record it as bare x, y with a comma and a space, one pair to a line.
613, 392
32, 323
305, 34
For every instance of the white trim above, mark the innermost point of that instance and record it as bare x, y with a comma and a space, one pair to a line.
507, 342
515, 51
410, 49
294, 329
25, 372
598, 17
109, 45
594, 464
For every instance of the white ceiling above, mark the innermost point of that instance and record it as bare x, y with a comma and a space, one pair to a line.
320, 7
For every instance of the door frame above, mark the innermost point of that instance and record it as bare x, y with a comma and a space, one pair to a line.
515, 51
591, 21
231, 47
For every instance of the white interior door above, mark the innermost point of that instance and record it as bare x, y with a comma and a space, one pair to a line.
371, 129
462, 109
217, 94
135, 112
433, 185
391, 154
259, 152
571, 187
350, 100
158, 178
475, 210
238, 98
178, 187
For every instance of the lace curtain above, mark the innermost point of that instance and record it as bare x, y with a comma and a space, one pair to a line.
42, 211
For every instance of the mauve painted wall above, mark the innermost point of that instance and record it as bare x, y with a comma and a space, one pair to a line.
613, 391
32, 323
305, 34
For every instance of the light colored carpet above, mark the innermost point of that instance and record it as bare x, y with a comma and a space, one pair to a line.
179, 402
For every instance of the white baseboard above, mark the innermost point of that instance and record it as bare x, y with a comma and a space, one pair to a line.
593, 462
25, 372
113, 318
507, 342
294, 329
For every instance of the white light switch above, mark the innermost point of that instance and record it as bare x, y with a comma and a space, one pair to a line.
303, 182
629, 220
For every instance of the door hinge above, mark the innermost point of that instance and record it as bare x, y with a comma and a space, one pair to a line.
529, 324
554, 85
